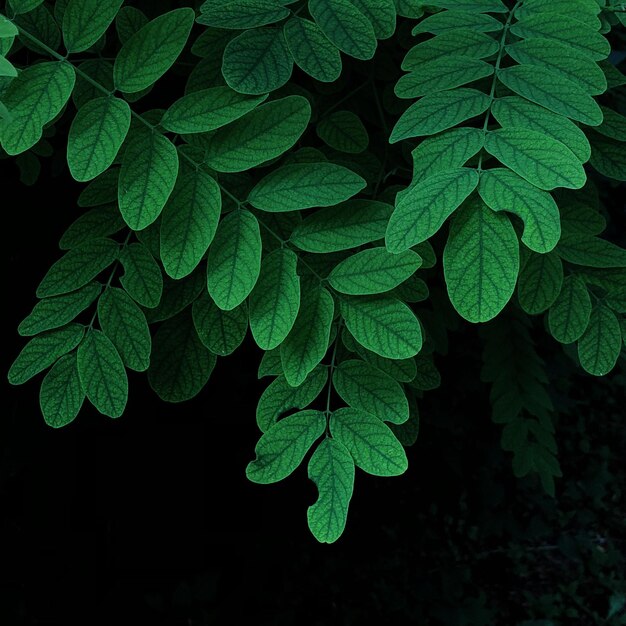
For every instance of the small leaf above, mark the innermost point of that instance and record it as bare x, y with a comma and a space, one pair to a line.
147, 178
366, 388
601, 344
241, 14
96, 135
102, 374
568, 317
282, 448
189, 222
234, 259
180, 366
101, 221
540, 281
24, 6
85, 21
275, 299
381, 14
481, 262
78, 267
61, 396
152, 50
303, 186
383, 325
371, 443
142, 277
43, 350
343, 131
307, 342
373, 271
124, 323
331, 468
581, 249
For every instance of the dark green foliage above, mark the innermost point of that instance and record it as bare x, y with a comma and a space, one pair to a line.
350, 216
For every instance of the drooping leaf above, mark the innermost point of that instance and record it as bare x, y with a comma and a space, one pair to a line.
142, 276
371, 443
481, 262
43, 350
381, 14
85, 21
61, 395
540, 281
101, 221
234, 259
180, 365
281, 448
601, 344
152, 50
275, 299
102, 374
189, 222
568, 317
343, 131
96, 135
331, 468
581, 249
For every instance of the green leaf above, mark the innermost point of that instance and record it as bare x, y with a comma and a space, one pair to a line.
447, 21
7, 28
583, 10
61, 395
462, 41
552, 91
331, 468
440, 74
383, 325
617, 300
381, 14
513, 111
142, 277
540, 281
41, 26
275, 299
478, 6
102, 374
101, 190
591, 251
601, 344
280, 397
177, 296
33, 99
124, 323
24, 6
307, 342
241, 14
281, 448
427, 376
208, 109
503, 190
180, 365
566, 30
78, 267
408, 432
608, 157
99, 222
577, 218
43, 350
439, 111
152, 50
311, 50
343, 131
423, 209
96, 135
345, 26
257, 61
373, 271
189, 222
371, 443
568, 317
562, 59
366, 388
234, 259
85, 21
480, 262
129, 20
613, 124
6, 68
56, 312
303, 186
541, 160
222, 332
147, 178
349, 225
261, 135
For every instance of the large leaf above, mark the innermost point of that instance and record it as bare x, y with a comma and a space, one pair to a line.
261, 135
423, 209
481, 262
85, 21
152, 50
304, 185
371, 443
568, 317
102, 374
189, 222
234, 259
601, 344
282, 448
61, 395
383, 325
96, 135
275, 299
147, 178
331, 468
